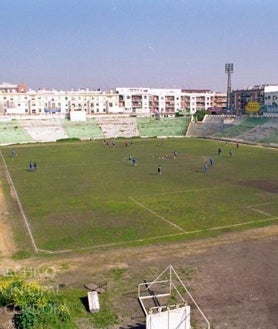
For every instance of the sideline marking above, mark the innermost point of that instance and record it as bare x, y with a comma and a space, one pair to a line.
19, 204
161, 217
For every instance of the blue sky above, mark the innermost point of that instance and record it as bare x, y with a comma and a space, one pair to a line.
65, 44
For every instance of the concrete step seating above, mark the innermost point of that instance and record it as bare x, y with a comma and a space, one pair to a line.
208, 127
234, 129
242, 126
113, 127
13, 132
89, 129
48, 130
262, 132
150, 127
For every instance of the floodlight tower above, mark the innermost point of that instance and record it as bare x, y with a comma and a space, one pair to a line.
229, 69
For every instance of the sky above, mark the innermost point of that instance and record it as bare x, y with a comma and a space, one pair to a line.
71, 44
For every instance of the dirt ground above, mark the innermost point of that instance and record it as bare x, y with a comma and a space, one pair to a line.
235, 279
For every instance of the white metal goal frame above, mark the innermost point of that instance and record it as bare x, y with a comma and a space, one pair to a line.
146, 293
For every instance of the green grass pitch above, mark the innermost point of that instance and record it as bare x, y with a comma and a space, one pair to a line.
88, 194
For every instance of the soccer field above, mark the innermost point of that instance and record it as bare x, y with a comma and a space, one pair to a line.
86, 195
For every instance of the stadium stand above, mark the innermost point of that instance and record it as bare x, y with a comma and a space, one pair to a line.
211, 125
241, 129
11, 132
232, 130
44, 130
151, 127
89, 129
264, 130
113, 127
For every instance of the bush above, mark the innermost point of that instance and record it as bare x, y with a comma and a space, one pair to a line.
38, 306
73, 139
199, 115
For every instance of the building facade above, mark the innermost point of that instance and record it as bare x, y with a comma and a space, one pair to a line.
167, 102
32, 102
17, 100
270, 100
241, 98
266, 96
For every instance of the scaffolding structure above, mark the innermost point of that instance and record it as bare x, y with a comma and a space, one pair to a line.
168, 304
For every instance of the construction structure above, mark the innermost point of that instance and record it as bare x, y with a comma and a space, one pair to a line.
168, 304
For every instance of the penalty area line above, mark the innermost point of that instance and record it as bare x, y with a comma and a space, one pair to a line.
155, 237
155, 214
260, 211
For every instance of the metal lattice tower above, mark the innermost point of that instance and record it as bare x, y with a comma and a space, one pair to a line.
229, 69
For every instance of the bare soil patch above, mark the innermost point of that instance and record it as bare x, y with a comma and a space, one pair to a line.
6, 317
7, 247
263, 184
235, 277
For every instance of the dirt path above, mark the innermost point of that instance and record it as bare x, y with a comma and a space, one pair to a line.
7, 247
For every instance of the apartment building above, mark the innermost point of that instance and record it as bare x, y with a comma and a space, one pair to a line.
147, 101
6, 87
19, 101
241, 97
167, 102
270, 100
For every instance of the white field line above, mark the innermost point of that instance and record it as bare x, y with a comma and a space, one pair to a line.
260, 211
158, 237
234, 225
19, 204
167, 235
254, 208
186, 191
155, 214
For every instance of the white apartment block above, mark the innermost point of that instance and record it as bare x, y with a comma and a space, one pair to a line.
17, 100
167, 102
271, 99
46, 102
